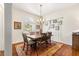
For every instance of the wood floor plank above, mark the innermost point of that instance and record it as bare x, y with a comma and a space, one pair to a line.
65, 50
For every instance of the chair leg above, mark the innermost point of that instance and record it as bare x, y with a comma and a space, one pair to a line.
27, 49
31, 50
24, 46
46, 43
36, 48
50, 41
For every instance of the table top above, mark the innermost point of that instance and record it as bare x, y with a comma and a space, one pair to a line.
34, 36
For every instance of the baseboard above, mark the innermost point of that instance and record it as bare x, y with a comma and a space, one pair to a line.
17, 43
66, 44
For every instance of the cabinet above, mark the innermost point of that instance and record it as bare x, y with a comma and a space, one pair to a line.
75, 41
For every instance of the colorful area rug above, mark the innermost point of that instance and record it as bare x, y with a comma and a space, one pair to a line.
43, 51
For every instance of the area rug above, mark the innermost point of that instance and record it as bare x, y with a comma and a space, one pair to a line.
48, 51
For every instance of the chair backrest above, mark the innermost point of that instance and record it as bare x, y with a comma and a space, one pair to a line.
24, 37
44, 38
49, 34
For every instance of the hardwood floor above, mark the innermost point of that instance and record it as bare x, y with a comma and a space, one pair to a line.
65, 50
1, 53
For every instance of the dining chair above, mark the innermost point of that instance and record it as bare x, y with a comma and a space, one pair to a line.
27, 42
42, 40
49, 34
46, 36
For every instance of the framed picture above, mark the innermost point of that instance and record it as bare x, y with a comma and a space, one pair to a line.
60, 22
17, 25
28, 27
55, 21
51, 22
52, 26
57, 28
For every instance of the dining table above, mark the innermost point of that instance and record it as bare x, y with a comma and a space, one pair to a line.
35, 38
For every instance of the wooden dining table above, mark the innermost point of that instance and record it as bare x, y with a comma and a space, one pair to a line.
35, 38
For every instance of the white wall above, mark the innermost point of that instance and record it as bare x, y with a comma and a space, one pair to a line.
20, 16
1, 29
70, 23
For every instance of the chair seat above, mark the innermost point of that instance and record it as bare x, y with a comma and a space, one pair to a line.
30, 42
41, 41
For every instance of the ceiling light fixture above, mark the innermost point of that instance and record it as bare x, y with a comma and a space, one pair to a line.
41, 19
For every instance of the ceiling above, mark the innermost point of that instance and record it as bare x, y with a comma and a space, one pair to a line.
47, 8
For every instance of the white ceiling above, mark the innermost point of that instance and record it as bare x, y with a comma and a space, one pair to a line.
34, 8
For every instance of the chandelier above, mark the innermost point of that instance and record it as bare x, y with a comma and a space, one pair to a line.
41, 20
